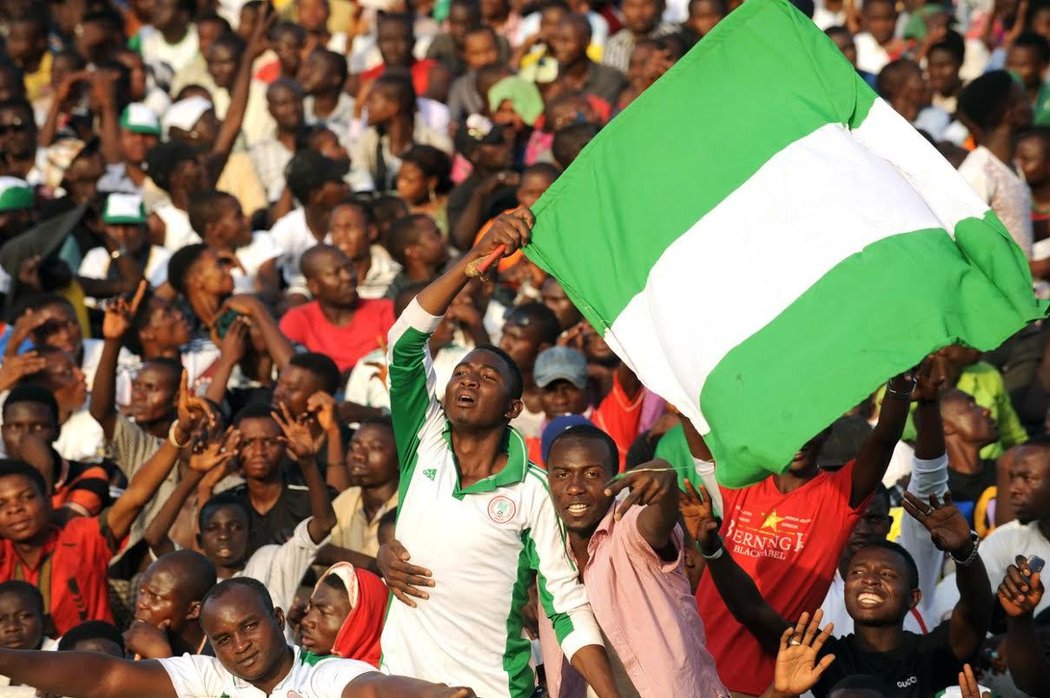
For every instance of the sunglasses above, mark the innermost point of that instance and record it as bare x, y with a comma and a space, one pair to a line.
13, 127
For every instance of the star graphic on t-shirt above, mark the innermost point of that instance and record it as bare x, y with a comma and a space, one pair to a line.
771, 521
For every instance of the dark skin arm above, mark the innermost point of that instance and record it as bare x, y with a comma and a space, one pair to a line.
376, 685
86, 674
304, 445
331, 554
1019, 593
929, 442
658, 493
593, 664
951, 533
115, 324
874, 455
737, 589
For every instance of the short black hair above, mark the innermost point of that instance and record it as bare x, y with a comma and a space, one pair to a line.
304, 137
893, 76
397, 84
382, 422
483, 29
1037, 133
404, 232
287, 27
181, 263
953, 44
254, 410
227, 585
91, 630
163, 159
173, 366
223, 499
909, 561
985, 100
205, 207
517, 382
36, 394
589, 432
334, 63
231, 40
1036, 42
321, 366
544, 169
362, 206
536, 315
26, 590
433, 162
217, 19
9, 467
401, 18
569, 142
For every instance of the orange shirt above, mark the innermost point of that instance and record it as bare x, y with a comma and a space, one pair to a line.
71, 573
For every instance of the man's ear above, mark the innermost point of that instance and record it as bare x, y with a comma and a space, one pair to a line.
278, 615
516, 406
195, 611
916, 596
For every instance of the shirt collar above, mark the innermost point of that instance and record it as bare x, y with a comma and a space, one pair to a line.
511, 474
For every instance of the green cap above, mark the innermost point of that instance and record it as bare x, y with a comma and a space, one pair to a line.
124, 209
15, 194
138, 118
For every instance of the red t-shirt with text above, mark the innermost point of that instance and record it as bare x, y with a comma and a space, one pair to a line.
790, 545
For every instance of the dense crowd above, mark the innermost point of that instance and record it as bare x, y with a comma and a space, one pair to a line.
269, 427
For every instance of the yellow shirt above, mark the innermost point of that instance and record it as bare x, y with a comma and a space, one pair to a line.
38, 83
353, 530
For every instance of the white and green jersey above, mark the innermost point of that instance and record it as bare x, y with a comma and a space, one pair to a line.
481, 543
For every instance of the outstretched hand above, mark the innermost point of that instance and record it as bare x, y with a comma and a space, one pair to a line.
208, 454
797, 669
947, 526
299, 437
118, 314
193, 412
648, 486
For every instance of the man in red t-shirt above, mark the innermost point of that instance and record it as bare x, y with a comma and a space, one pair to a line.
787, 531
336, 322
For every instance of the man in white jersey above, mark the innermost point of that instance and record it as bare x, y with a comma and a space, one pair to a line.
476, 515
252, 659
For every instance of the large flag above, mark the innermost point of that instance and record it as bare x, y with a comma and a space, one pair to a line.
764, 241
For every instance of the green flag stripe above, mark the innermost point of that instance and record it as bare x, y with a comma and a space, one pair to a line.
684, 145
843, 336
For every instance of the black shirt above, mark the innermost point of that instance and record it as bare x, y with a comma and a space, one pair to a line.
919, 668
275, 525
966, 487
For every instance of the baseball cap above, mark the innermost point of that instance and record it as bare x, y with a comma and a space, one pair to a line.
124, 209
15, 194
556, 427
138, 118
560, 363
185, 114
523, 95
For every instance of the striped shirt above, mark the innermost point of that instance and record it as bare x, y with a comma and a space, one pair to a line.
481, 542
620, 46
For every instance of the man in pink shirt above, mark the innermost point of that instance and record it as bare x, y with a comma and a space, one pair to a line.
631, 562
336, 322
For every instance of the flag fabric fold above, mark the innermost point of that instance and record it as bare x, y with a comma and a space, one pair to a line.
764, 241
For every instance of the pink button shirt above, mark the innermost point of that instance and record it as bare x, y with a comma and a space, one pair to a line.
646, 610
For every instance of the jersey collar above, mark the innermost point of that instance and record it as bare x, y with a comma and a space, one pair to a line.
511, 474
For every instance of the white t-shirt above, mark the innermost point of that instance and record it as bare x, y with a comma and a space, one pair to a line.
95, 265
281, 567
871, 57
156, 51
293, 237
81, 438
311, 676
252, 256
177, 230
1004, 191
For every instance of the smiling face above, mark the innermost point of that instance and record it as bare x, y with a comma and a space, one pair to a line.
328, 609
879, 589
21, 622
479, 395
224, 535
247, 638
372, 456
577, 471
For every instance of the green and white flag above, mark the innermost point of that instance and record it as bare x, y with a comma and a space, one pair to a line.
764, 241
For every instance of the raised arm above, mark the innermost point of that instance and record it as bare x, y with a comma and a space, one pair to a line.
1019, 593
874, 455
86, 674
738, 590
654, 486
304, 446
951, 534
115, 324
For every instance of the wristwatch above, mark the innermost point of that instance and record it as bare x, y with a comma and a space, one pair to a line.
975, 540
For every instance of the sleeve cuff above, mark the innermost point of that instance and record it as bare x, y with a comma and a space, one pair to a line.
585, 632
419, 319
705, 470
929, 476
